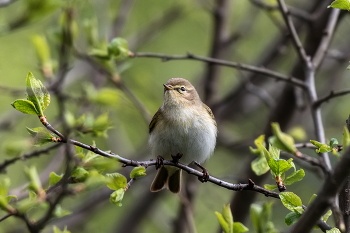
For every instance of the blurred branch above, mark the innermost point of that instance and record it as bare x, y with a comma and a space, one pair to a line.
12, 91
331, 95
327, 37
240, 66
32, 154
305, 145
121, 18
4, 3
295, 38
325, 197
116, 81
298, 13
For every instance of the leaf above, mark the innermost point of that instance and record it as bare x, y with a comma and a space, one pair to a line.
37, 93
346, 138
270, 187
116, 181
117, 196
57, 230
80, 174
294, 177
312, 198
43, 53
282, 140
291, 218
25, 106
239, 227
227, 214
260, 166
290, 200
41, 135
341, 4
107, 97
34, 180
59, 212
118, 48
137, 172
322, 147
326, 215
255, 214
54, 178
222, 222
274, 152
333, 230
279, 166
333, 142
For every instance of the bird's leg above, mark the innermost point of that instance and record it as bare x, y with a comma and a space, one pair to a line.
159, 162
205, 176
176, 157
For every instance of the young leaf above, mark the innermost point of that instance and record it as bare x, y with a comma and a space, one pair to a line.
54, 178
270, 187
341, 4
137, 172
41, 135
118, 48
326, 215
312, 198
37, 93
80, 174
291, 218
290, 200
57, 230
227, 214
346, 138
222, 222
260, 166
59, 212
279, 166
238, 227
34, 180
333, 230
116, 181
294, 177
117, 197
282, 140
322, 147
25, 106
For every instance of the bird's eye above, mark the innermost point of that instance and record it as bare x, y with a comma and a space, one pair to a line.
182, 89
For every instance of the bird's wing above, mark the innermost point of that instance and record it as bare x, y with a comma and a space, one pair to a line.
210, 113
154, 120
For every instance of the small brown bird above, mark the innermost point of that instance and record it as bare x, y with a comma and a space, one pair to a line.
182, 125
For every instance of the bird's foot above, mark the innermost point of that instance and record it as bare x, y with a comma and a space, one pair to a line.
159, 162
176, 157
205, 176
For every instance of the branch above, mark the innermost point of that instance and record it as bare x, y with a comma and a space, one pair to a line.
240, 66
298, 13
325, 197
327, 37
331, 95
32, 154
295, 38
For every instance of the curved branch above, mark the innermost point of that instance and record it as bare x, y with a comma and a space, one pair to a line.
236, 65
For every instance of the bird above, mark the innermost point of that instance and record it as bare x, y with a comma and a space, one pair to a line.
184, 127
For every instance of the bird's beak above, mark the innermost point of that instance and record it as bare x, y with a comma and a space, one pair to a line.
168, 87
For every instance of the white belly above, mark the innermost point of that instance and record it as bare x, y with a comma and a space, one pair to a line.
188, 135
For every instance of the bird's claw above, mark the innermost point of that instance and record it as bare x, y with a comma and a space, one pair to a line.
159, 162
205, 176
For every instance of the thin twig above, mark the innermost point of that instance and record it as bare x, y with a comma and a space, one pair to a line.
240, 66
295, 38
330, 96
32, 154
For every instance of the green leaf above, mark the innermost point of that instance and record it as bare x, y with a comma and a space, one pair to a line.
107, 97
57, 230
341, 4
43, 54
270, 187
37, 93
41, 135
222, 222
260, 166
298, 133
333, 230
346, 138
255, 214
54, 178
260, 216
227, 214
25, 106
116, 181
282, 140
279, 166
333, 142
274, 152
294, 177
80, 174
260, 143
239, 227
137, 172
322, 147
101, 125
34, 180
118, 48
59, 212
117, 197
326, 215
291, 218
290, 200
312, 198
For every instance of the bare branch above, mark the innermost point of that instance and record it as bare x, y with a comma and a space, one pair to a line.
240, 66
331, 95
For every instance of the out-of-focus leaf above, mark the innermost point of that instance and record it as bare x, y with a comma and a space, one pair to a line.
282, 140
41, 135
341, 4
54, 178
116, 181
137, 172
118, 48
291, 218
117, 197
